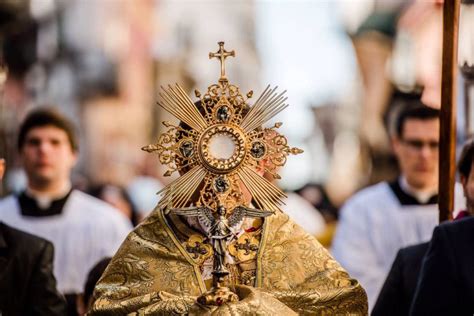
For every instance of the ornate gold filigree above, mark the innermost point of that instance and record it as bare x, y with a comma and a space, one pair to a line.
198, 250
245, 247
220, 143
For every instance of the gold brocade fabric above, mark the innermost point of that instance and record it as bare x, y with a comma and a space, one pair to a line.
252, 302
153, 274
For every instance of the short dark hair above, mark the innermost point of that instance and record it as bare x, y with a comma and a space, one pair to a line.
466, 158
47, 117
417, 111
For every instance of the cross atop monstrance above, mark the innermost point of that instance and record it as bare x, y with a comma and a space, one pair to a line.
222, 54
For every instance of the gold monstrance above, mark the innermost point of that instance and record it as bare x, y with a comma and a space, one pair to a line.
220, 145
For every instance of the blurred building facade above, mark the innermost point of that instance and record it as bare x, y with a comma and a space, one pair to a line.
102, 63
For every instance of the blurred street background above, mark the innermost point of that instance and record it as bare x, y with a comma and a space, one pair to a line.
347, 66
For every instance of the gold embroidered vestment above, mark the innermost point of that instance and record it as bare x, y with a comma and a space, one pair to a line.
153, 273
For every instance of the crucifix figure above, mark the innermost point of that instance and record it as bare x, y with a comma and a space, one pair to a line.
222, 54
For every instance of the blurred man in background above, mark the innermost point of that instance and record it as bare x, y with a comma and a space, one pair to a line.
27, 283
399, 288
379, 220
83, 229
445, 285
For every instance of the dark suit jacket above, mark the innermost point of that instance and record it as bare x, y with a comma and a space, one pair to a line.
446, 285
27, 283
399, 288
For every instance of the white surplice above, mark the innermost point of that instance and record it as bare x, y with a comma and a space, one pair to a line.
374, 225
86, 231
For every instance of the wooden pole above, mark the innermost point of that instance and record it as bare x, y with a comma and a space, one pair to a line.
447, 150
468, 130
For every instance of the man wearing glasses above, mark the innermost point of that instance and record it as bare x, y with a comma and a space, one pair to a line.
379, 220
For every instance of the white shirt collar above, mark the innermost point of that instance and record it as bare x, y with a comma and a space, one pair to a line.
44, 200
421, 196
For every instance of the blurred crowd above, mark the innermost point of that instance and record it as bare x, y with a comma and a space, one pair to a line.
75, 107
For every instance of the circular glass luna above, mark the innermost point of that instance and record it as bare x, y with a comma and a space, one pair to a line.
222, 148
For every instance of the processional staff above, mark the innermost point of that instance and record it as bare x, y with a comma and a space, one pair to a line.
447, 149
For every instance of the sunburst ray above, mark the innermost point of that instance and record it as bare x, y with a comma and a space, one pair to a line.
176, 101
269, 104
179, 192
267, 196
